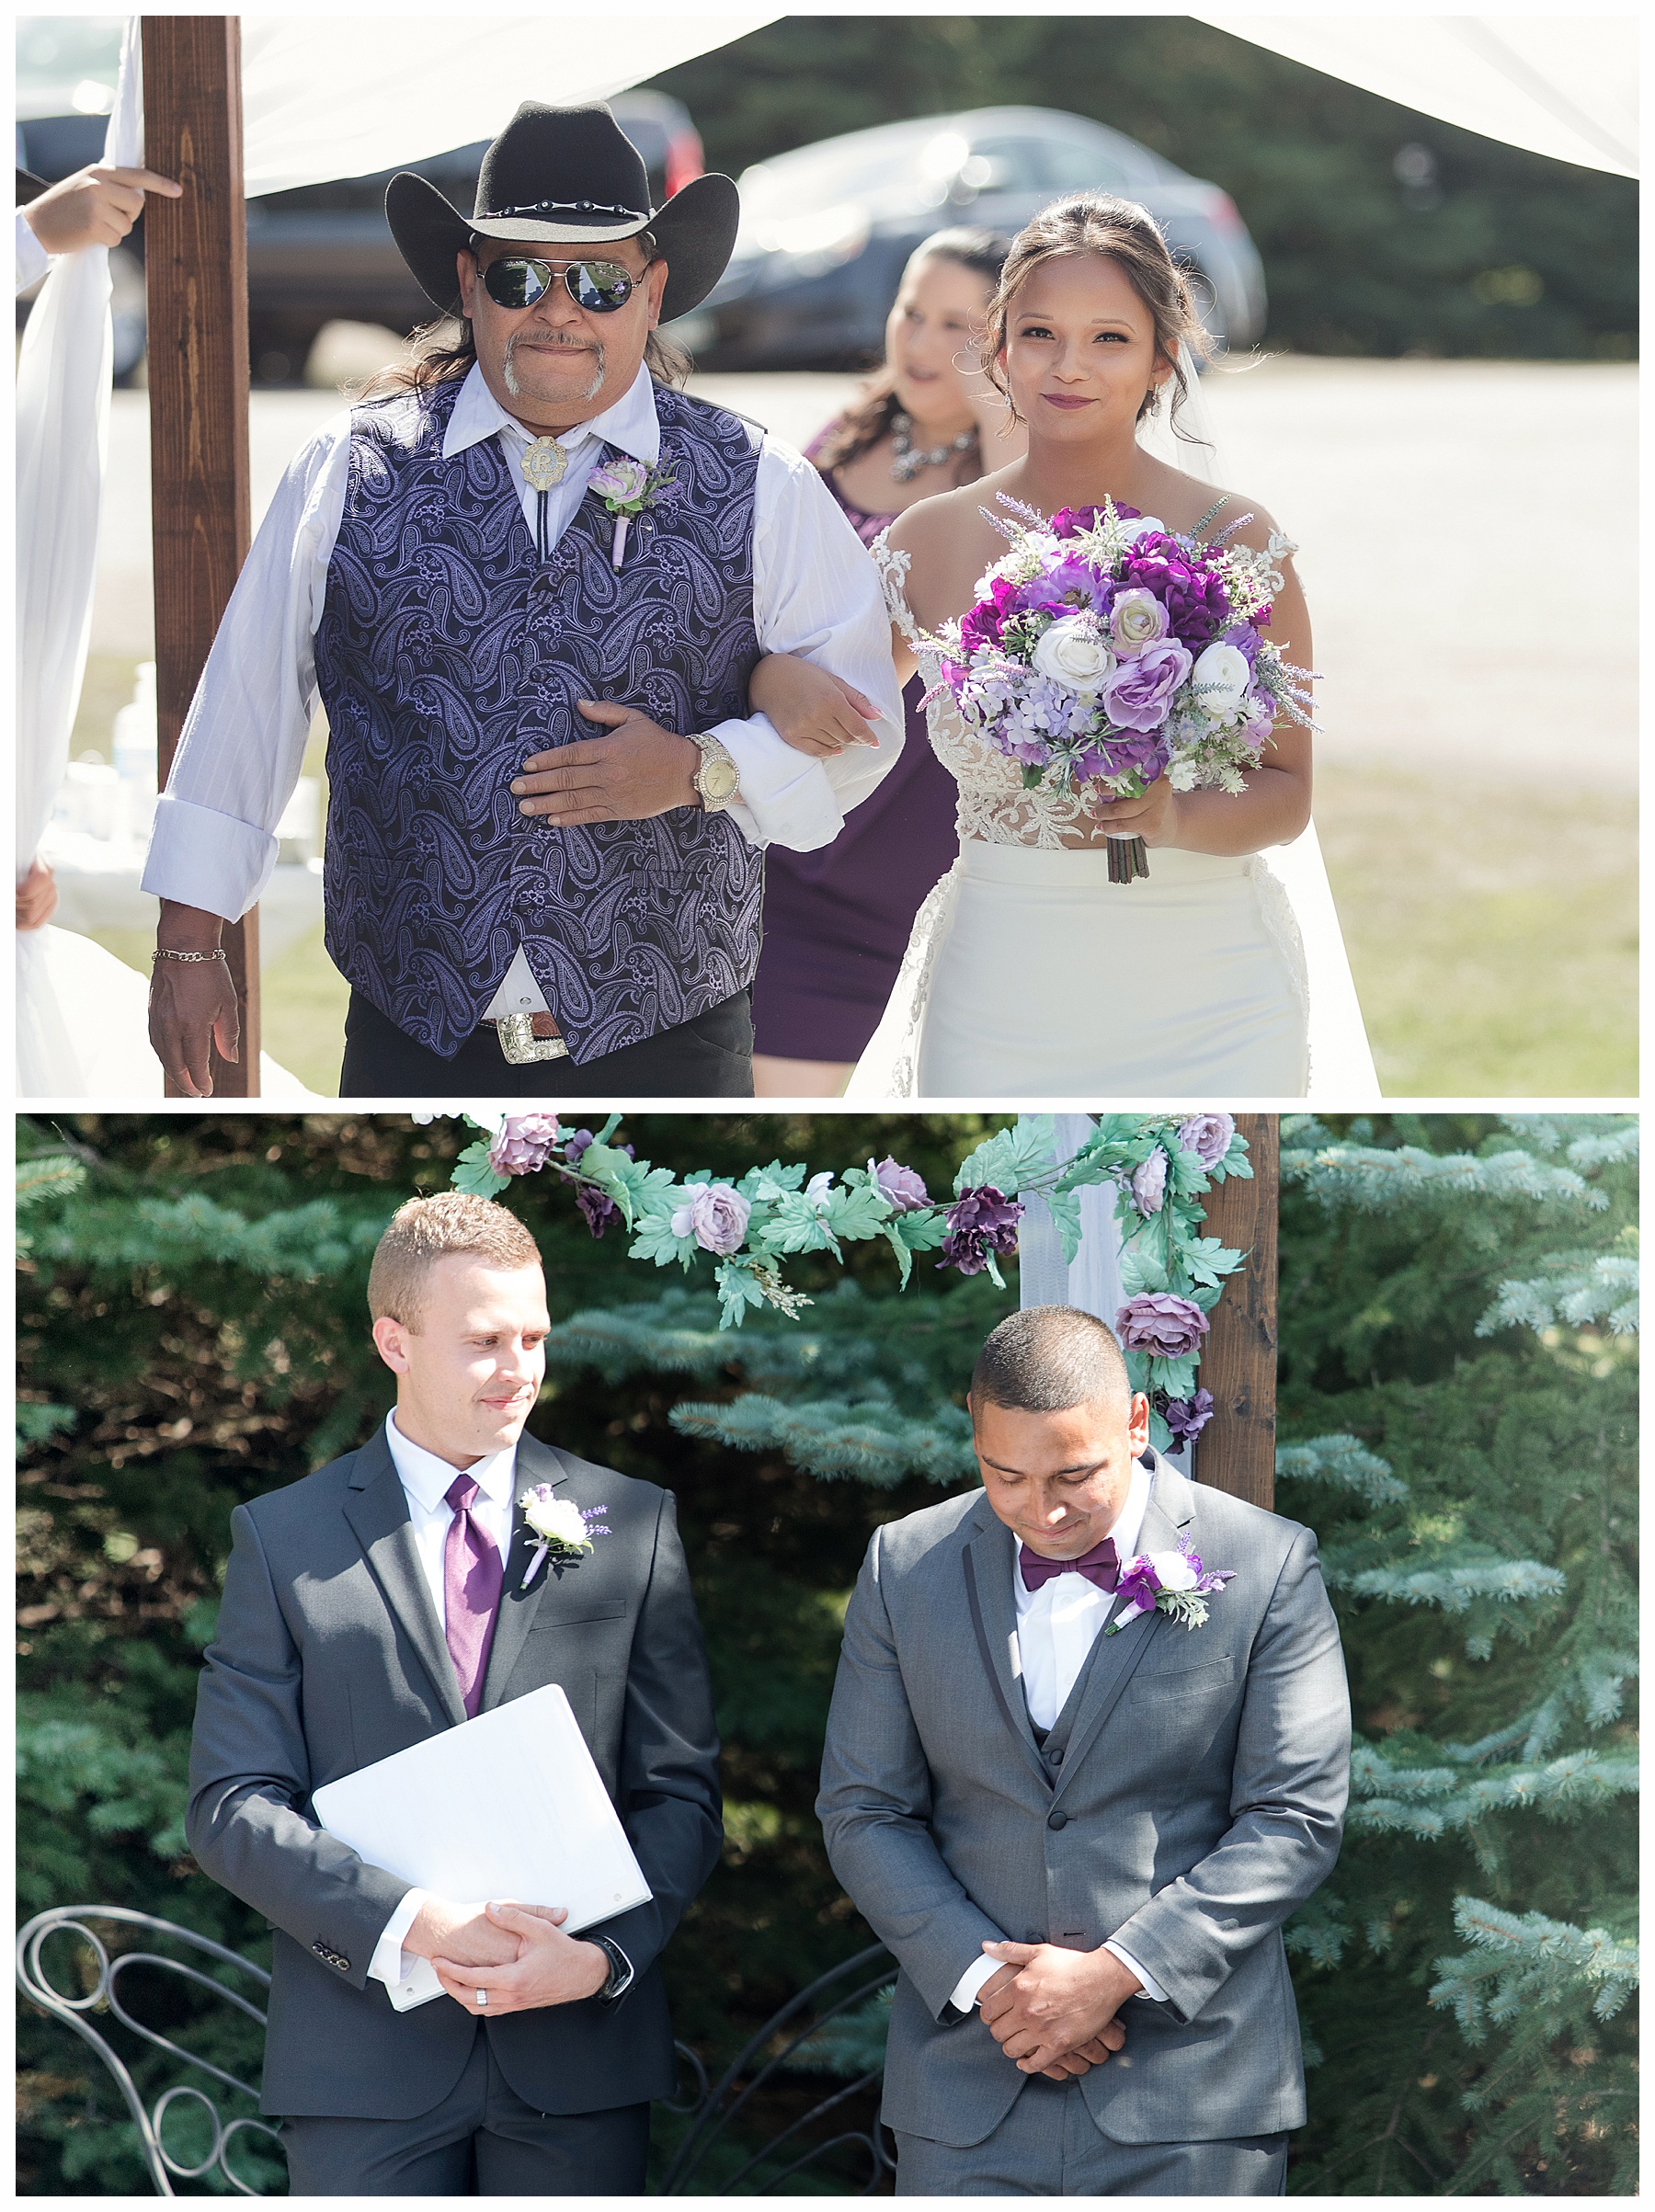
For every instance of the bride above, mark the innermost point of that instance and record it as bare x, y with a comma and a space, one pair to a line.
1029, 972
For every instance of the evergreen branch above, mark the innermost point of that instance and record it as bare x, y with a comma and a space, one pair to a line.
1456, 1587
1531, 1962
1373, 1179
299, 1244
840, 1438
47, 1175
1343, 1461
1432, 1802
1579, 1288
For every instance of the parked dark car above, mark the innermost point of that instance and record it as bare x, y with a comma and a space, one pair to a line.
323, 252
826, 229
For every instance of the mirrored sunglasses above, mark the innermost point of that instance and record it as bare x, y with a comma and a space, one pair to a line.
597, 286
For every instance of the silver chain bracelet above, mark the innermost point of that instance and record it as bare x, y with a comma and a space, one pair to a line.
161, 952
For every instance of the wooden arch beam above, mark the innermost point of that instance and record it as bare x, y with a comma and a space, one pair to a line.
196, 265
1236, 1451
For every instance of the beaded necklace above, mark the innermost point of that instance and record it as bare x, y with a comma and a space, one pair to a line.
907, 463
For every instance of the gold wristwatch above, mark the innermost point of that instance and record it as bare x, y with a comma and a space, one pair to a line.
718, 780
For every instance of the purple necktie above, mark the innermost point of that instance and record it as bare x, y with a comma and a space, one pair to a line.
472, 1576
1100, 1565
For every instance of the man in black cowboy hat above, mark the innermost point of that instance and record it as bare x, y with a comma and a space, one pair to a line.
529, 587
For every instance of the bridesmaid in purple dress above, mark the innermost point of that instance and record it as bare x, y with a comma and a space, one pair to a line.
836, 921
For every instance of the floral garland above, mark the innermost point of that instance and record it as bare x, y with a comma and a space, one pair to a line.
1162, 1166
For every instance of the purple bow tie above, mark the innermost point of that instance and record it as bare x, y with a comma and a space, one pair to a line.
1101, 1565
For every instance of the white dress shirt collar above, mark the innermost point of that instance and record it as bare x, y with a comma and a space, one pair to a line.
429, 1479
631, 426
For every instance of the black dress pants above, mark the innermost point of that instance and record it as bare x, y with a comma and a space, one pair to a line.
482, 2140
711, 1057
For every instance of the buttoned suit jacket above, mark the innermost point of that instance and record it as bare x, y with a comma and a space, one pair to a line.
1199, 1799
329, 1654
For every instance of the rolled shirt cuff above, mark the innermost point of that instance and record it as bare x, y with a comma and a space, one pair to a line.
1152, 1987
965, 1993
390, 1963
785, 797
198, 856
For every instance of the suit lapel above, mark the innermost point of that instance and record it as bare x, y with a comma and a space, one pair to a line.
377, 1510
1116, 1658
515, 1616
987, 1559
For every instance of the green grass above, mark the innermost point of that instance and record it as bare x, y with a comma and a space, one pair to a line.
1491, 929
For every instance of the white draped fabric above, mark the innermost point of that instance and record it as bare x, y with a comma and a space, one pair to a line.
1563, 85
1092, 1279
344, 96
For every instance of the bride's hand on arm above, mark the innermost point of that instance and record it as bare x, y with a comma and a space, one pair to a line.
812, 711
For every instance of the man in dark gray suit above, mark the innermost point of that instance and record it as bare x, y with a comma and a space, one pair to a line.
370, 1606
1082, 1846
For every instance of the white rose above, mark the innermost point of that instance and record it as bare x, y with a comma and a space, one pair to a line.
1220, 679
1072, 653
1173, 1571
556, 1519
1137, 619
1140, 527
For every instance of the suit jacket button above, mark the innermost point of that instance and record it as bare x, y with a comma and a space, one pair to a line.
1056, 1820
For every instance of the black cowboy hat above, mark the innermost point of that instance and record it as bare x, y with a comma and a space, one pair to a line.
567, 177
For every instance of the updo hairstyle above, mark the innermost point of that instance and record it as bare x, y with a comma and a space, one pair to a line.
1097, 222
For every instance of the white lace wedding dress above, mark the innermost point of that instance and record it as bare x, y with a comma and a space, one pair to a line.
1029, 974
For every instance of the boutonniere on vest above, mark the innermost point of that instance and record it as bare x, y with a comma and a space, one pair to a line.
627, 489
1175, 1583
565, 1529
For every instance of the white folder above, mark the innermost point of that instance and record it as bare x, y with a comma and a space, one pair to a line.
507, 1806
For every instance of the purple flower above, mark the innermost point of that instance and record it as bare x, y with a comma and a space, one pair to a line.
1245, 639
987, 620
621, 479
1207, 1135
1121, 751
1069, 521
1162, 1324
1186, 1417
980, 1222
905, 1190
524, 1144
1136, 1589
1139, 694
716, 1215
1071, 583
596, 1208
1149, 1184
1197, 606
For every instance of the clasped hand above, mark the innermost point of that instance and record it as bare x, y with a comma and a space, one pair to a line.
517, 1955
1053, 2011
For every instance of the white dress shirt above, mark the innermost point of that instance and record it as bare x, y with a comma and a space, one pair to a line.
815, 593
425, 1480
33, 260
1057, 1626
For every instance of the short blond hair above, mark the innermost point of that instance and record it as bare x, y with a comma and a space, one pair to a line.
427, 1230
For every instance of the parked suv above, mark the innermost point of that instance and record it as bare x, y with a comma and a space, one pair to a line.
826, 229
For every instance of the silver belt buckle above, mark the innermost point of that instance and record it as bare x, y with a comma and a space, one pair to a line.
519, 1044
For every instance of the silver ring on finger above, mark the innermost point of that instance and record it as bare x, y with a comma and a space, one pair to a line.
482, 2000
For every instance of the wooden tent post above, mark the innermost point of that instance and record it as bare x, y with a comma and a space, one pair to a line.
196, 259
1236, 1451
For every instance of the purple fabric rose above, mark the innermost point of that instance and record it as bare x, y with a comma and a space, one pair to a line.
1162, 1324
1197, 605
1149, 1182
1068, 584
597, 1208
716, 1215
1124, 751
1187, 1417
980, 1222
1207, 1135
905, 1191
524, 1144
1139, 694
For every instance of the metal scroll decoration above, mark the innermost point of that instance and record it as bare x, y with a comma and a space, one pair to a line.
105, 1998
712, 2156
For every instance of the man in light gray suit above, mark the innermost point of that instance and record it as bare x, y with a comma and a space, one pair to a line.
392, 1595
1082, 1846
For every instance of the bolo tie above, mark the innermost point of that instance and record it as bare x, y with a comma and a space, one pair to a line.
544, 464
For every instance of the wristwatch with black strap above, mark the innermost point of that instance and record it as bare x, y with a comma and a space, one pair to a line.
621, 1975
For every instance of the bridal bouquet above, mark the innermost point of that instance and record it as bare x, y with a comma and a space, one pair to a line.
1105, 648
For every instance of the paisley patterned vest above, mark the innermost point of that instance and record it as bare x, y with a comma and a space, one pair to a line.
447, 654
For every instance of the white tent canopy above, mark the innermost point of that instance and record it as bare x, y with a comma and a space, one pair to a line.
345, 96
1563, 85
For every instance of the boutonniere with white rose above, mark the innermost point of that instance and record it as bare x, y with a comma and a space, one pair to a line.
1175, 1583
627, 487
563, 1528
